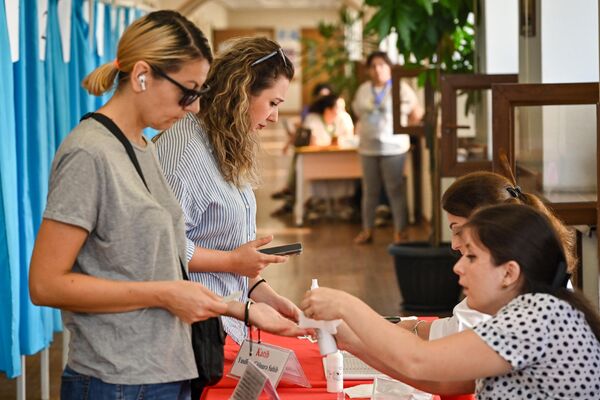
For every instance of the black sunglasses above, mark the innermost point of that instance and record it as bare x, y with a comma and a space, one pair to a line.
189, 95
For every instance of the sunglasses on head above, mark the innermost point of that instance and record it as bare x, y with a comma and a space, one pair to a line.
189, 95
265, 58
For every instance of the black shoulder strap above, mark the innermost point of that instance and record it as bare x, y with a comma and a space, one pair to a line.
118, 133
183, 271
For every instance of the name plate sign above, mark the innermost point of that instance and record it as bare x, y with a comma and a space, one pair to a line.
252, 383
276, 362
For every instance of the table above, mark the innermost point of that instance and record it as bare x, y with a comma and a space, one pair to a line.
310, 359
322, 163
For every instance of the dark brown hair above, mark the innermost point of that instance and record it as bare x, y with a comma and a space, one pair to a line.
324, 102
479, 189
378, 54
514, 232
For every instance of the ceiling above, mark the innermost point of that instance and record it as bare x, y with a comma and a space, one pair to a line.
187, 7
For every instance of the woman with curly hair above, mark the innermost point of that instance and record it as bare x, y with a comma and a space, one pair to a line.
209, 159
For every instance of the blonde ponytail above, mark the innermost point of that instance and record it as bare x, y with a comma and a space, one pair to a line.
101, 80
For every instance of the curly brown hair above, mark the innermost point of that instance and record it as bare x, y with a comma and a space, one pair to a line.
224, 108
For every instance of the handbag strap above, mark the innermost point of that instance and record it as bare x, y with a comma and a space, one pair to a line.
118, 133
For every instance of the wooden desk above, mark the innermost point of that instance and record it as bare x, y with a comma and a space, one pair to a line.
322, 163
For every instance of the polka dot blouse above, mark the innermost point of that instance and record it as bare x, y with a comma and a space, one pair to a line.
550, 346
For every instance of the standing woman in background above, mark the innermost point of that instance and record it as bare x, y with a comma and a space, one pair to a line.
111, 247
210, 161
382, 152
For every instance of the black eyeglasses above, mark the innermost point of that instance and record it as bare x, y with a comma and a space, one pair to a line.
189, 95
265, 58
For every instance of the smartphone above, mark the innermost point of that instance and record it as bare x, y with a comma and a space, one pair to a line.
285, 250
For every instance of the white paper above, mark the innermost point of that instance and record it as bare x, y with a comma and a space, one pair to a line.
232, 297
277, 363
359, 391
252, 383
391, 389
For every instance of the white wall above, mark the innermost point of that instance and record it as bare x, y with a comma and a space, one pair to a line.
498, 51
501, 41
569, 41
210, 15
565, 50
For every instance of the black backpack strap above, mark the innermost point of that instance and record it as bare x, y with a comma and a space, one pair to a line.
118, 133
184, 273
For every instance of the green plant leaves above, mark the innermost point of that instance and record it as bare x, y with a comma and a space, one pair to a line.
435, 32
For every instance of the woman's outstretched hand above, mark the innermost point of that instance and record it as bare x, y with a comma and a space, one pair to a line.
326, 304
269, 320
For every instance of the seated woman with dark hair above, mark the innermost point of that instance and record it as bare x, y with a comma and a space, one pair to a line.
466, 195
325, 122
542, 341
329, 127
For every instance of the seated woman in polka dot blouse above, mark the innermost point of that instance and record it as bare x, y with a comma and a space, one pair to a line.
542, 342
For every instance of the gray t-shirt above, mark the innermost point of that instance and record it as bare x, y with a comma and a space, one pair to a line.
133, 236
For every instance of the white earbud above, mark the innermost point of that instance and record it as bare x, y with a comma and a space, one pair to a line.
142, 81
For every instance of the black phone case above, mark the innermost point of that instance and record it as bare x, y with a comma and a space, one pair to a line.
288, 249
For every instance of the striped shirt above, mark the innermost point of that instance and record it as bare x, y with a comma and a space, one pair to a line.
218, 214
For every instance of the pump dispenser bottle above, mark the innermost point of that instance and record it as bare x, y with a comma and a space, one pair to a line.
334, 361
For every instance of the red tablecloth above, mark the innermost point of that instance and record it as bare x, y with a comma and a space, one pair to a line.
310, 359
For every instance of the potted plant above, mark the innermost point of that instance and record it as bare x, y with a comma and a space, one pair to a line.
438, 36
328, 58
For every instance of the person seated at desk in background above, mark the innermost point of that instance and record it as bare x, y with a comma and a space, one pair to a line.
330, 127
382, 152
328, 121
542, 341
329, 124
292, 125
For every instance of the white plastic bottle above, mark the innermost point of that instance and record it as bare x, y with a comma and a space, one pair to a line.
334, 365
327, 344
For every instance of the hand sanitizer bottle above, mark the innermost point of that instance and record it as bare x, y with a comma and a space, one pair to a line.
334, 366
327, 344
334, 361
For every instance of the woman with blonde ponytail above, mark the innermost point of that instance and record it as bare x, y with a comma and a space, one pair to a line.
111, 249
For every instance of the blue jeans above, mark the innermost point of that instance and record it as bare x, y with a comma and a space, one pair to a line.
75, 386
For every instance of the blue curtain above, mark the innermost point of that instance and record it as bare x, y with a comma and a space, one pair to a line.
82, 63
40, 102
9, 222
33, 166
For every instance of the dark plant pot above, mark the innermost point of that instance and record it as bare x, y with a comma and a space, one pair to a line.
425, 276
